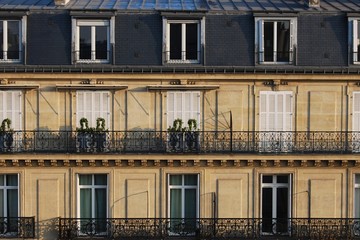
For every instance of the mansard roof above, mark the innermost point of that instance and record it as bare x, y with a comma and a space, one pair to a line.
187, 5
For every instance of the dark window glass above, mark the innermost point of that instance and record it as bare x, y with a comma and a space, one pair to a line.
13, 39
85, 42
282, 179
267, 179
358, 46
175, 179
1, 39
100, 179
267, 206
191, 41
101, 42
282, 210
190, 180
175, 41
269, 41
283, 41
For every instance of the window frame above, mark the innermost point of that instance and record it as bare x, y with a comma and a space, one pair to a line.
275, 185
354, 39
93, 23
200, 40
259, 39
356, 186
22, 39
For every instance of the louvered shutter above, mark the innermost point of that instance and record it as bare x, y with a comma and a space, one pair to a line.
92, 105
183, 105
11, 108
356, 111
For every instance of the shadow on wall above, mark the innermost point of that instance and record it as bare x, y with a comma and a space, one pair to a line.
47, 229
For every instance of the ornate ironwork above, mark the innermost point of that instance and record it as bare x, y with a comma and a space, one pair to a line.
22, 227
210, 229
182, 142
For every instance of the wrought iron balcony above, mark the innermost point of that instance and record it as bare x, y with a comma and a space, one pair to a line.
179, 142
21, 227
210, 229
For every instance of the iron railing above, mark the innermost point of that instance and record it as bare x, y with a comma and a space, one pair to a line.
183, 142
210, 229
17, 227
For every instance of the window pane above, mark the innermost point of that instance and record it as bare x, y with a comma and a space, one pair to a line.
267, 206
2, 180
85, 179
1, 39
100, 179
85, 203
11, 180
282, 209
282, 179
13, 39
12, 195
2, 213
191, 41
100, 203
357, 203
268, 41
101, 42
190, 203
358, 41
175, 203
357, 178
190, 180
267, 179
85, 42
283, 41
175, 179
175, 41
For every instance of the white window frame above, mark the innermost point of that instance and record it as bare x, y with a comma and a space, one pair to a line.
353, 40
93, 23
93, 187
166, 40
356, 186
22, 39
88, 111
5, 189
274, 186
13, 113
259, 39
173, 113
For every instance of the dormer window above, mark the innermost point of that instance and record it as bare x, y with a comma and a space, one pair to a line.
11, 38
92, 41
354, 39
275, 39
183, 41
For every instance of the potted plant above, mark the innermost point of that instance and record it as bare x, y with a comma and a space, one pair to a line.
100, 135
175, 135
84, 136
6, 135
192, 135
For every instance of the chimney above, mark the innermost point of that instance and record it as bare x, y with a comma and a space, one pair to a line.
313, 3
61, 2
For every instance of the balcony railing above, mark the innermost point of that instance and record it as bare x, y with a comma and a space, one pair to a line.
21, 227
210, 229
184, 142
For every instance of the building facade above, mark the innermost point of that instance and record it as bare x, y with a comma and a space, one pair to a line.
180, 119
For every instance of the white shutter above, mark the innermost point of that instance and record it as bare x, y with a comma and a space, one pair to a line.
91, 105
183, 105
10, 107
275, 111
356, 111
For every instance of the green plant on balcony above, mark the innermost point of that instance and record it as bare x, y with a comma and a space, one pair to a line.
6, 135
100, 135
192, 135
175, 135
84, 136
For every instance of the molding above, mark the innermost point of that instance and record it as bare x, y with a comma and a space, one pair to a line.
182, 87
90, 87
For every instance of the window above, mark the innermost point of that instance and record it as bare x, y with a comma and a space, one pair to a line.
92, 203
354, 39
276, 121
183, 202
275, 40
11, 38
183, 105
92, 105
356, 122
9, 203
275, 203
183, 40
10, 107
357, 196
93, 40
